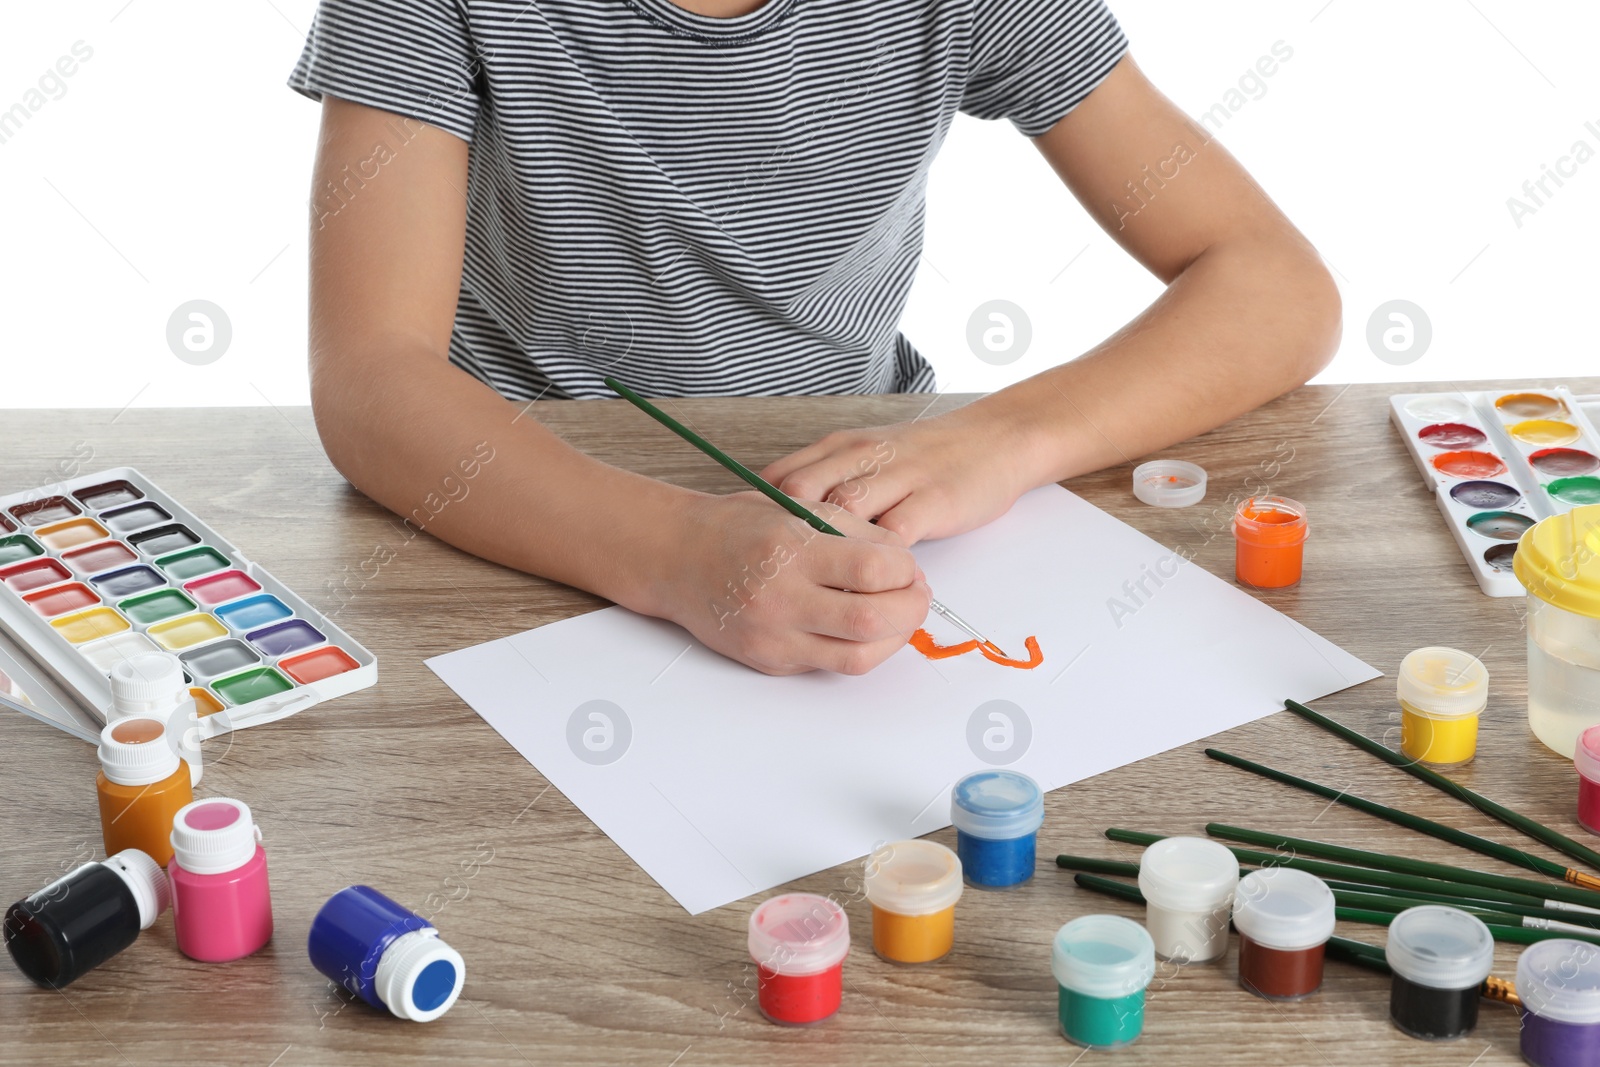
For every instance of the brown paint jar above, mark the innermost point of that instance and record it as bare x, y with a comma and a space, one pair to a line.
1284, 918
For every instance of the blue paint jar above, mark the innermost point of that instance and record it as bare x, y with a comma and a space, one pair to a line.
386, 954
997, 815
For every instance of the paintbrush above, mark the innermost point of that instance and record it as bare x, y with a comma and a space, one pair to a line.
777, 496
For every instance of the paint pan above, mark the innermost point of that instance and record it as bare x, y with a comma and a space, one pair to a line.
102, 567
1498, 462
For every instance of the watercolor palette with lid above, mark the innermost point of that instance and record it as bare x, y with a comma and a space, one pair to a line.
106, 565
1498, 462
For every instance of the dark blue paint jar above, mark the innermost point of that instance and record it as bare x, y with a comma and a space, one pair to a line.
386, 954
997, 815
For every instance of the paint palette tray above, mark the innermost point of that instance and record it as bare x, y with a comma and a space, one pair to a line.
107, 565
1497, 463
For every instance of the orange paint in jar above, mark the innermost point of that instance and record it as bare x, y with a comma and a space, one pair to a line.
1269, 534
142, 783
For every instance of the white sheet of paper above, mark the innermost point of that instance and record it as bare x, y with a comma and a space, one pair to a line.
723, 782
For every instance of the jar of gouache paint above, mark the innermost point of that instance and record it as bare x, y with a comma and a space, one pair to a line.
997, 815
1188, 885
1102, 965
1439, 956
1269, 534
1558, 982
1587, 759
1284, 918
142, 785
76, 923
1558, 563
913, 887
151, 684
221, 904
386, 954
1442, 693
798, 942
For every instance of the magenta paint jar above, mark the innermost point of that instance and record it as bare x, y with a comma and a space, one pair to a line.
221, 906
1587, 760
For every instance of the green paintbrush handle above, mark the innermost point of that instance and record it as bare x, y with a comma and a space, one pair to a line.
1094, 866
1413, 897
1121, 890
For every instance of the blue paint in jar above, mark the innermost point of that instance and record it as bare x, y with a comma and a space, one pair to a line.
386, 954
997, 815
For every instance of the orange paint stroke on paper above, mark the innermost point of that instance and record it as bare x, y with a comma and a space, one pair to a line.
923, 642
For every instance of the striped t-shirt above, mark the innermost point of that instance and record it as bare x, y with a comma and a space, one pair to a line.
700, 206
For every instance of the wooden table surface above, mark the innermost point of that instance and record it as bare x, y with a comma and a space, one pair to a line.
574, 955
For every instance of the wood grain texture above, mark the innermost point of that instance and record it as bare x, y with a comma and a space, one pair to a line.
574, 956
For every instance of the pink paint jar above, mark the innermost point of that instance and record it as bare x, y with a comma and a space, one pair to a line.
221, 906
1587, 760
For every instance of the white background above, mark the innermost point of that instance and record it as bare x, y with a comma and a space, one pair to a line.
175, 165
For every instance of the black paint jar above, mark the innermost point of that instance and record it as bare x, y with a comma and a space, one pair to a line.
1440, 957
76, 923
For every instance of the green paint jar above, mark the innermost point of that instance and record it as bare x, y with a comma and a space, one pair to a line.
1102, 964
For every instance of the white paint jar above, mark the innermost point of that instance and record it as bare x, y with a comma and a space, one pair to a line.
1188, 885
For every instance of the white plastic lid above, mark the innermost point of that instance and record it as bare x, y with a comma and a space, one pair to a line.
1440, 947
1169, 483
1443, 683
1282, 908
136, 762
1587, 755
214, 836
419, 977
1103, 956
997, 805
147, 881
1560, 980
1188, 874
799, 933
148, 683
913, 878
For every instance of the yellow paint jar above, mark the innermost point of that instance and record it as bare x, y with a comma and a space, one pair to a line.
1442, 692
913, 887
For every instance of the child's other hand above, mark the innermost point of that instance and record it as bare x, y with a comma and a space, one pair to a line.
760, 586
931, 478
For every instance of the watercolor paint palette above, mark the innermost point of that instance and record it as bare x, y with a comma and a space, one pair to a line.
1497, 463
107, 565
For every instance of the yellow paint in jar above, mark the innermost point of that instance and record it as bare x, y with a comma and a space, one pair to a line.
913, 887
1442, 693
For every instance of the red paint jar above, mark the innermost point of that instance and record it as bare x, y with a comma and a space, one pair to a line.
798, 942
1587, 760
1284, 918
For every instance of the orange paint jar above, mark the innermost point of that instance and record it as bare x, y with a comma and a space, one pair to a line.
142, 783
1269, 534
913, 887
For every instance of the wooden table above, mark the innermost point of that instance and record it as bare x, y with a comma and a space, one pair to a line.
574, 955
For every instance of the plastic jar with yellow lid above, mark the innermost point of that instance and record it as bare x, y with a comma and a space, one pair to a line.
1558, 563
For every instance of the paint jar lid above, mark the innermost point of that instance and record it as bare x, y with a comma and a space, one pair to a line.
1559, 979
145, 880
1443, 683
147, 683
419, 976
1440, 947
1285, 909
913, 878
1188, 874
1587, 754
214, 836
1558, 561
1103, 956
997, 805
1169, 483
799, 933
134, 751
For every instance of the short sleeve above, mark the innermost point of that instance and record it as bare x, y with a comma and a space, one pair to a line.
413, 57
1033, 61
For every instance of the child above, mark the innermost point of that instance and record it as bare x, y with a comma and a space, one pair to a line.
514, 198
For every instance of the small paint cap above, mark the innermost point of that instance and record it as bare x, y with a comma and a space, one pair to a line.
1104, 956
419, 976
1559, 979
1188, 874
1285, 909
214, 836
134, 751
145, 880
150, 682
1587, 755
1443, 683
913, 878
1169, 483
799, 934
997, 805
1439, 947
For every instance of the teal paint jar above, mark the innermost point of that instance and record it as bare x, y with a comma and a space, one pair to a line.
1102, 964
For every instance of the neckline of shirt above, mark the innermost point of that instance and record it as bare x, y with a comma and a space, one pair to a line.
709, 28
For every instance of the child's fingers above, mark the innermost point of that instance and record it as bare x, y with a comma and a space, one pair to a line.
914, 517
865, 618
848, 476
850, 525
779, 469
856, 565
851, 657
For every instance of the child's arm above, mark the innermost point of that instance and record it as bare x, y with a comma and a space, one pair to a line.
1249, 313
411, 430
